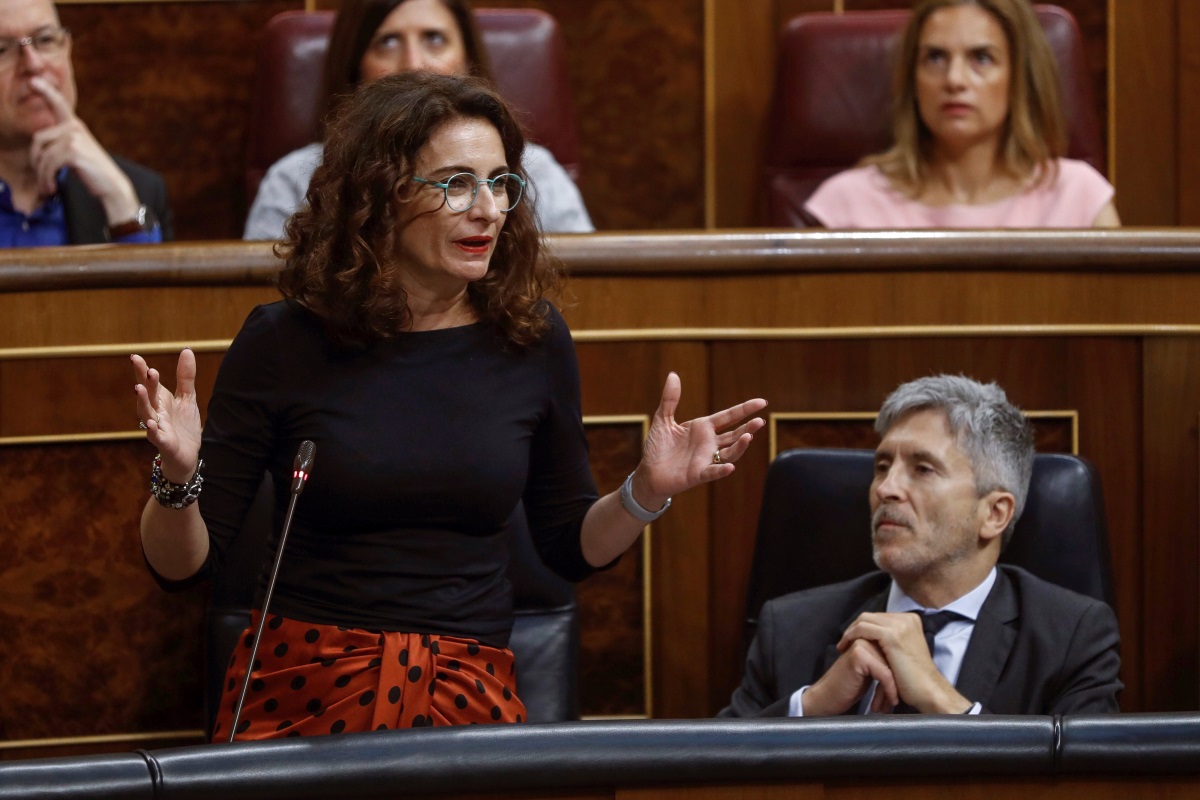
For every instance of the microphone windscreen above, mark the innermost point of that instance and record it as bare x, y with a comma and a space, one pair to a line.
304, 456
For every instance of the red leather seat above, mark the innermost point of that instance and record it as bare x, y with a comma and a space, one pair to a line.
528, 61
833, 99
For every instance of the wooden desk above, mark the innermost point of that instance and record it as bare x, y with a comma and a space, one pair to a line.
1099, 329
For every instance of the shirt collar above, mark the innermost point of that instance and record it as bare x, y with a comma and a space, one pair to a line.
968, 605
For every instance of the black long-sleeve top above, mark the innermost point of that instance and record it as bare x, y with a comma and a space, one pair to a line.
425, 444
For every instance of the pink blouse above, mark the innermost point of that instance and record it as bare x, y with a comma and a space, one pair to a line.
863, 198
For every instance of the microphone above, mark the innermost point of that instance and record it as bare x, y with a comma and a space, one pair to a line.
301, 468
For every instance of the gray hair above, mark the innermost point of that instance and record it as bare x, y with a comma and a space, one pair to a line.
994, 434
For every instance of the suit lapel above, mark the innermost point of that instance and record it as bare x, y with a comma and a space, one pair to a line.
875, 603
991, 642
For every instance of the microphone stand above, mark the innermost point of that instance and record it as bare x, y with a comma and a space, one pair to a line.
301, 468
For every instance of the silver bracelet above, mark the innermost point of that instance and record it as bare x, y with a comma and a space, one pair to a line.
634, 507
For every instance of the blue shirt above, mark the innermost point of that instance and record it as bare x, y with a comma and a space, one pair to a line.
47, 225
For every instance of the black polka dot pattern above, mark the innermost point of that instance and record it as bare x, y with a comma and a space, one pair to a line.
314, 680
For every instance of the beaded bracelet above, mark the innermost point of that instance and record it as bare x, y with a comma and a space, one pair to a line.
174, 495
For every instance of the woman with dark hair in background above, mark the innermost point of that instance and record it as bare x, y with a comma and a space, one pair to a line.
373, 38
979, 133
416, 347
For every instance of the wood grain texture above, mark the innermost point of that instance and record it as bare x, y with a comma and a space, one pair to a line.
168, 85
836, 376
93, 645
741, 73
1189, 113
1144, 157
817, 332
1171, 547
613, 605
637, 77
680, 540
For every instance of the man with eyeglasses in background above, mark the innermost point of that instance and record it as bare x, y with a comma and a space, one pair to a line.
58, 185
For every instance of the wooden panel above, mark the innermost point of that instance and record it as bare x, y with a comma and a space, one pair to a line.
613, 604
93, 645
168, 85
846, 376
1144, 157
796, 320
182, 106
637, 76
740, 74
679, 553
1189, 113
1171, 552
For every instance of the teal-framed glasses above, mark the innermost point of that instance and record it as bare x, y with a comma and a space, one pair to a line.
462, 188
48, 42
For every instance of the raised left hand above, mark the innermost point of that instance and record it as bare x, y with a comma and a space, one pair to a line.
680, 455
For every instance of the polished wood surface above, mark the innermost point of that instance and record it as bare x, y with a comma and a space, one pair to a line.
1102, 328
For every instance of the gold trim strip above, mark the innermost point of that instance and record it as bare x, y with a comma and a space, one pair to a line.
111, 738
647, 573
674, 334
864, 332
87, 350
73, 438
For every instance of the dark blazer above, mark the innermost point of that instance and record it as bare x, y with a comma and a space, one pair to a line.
86, 223
1036, 649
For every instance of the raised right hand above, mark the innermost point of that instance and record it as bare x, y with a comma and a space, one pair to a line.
172, 419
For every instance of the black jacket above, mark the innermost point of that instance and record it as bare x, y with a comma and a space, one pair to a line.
1036, 649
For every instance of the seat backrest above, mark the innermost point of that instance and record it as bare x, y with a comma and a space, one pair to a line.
545, 636
815, 526
833, 98
524, 45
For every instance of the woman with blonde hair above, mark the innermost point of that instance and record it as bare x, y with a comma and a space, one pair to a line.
979, 133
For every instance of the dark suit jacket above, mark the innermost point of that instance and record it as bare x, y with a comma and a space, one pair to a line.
86, 223
1036, 649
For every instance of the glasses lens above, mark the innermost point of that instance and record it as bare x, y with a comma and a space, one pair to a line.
49, 42
460, 191
507, 189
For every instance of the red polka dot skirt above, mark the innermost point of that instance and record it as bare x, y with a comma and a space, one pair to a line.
311, 680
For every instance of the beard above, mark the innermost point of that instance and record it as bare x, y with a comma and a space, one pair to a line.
914, 549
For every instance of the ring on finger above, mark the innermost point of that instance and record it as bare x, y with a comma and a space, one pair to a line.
142, 424
717, 456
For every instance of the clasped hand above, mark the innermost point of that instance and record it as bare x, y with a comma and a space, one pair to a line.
889, 648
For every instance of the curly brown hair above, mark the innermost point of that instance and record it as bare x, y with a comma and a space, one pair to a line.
340, 248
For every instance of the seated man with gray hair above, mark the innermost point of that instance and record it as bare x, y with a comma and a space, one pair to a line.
951, 477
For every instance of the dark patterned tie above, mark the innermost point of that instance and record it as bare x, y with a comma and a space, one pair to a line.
932, 625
